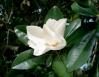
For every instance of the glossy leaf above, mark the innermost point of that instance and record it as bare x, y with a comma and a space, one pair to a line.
25, 61
29, 64
54, 13
74, 25
80, 52
60, 68
83, 2
21, 33
49, 60
75, 37
83, 11
23, 57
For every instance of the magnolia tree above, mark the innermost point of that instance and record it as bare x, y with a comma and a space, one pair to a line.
62, 45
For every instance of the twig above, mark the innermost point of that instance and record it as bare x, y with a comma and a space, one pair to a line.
7, 37
10, 14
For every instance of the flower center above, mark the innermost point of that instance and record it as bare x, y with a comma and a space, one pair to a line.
53, 43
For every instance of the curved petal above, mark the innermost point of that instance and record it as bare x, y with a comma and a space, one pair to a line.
39, 39
49, 32
31, 44
35, 31
35, 39
35, 34
40, 49
56, 26
61, 25
51, 22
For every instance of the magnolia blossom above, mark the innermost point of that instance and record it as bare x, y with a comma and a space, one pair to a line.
50, 37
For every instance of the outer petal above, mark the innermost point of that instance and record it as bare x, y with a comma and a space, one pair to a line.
35, 34
61, 24
35, 31
37, 41
40, 49
56, 26
51, 22
49, 32
31, 44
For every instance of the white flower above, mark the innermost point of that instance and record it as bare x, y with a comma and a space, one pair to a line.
50, 37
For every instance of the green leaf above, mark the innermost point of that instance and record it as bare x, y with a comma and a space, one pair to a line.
75, 37
25, 60
60, 68
84, 11
74, 25
29, 64
49, 60
80, 52
23, 57
84, 3
21, 33
54, 13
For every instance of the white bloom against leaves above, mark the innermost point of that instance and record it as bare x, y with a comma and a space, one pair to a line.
50, 37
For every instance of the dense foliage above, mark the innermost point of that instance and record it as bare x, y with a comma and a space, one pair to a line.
80, 58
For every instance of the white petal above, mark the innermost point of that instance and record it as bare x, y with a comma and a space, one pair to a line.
40, 49
59, 45
49, 33
51, 22
61, 25
39, 38
56, 26
35, 31
35, 39
35, 34
31, 44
